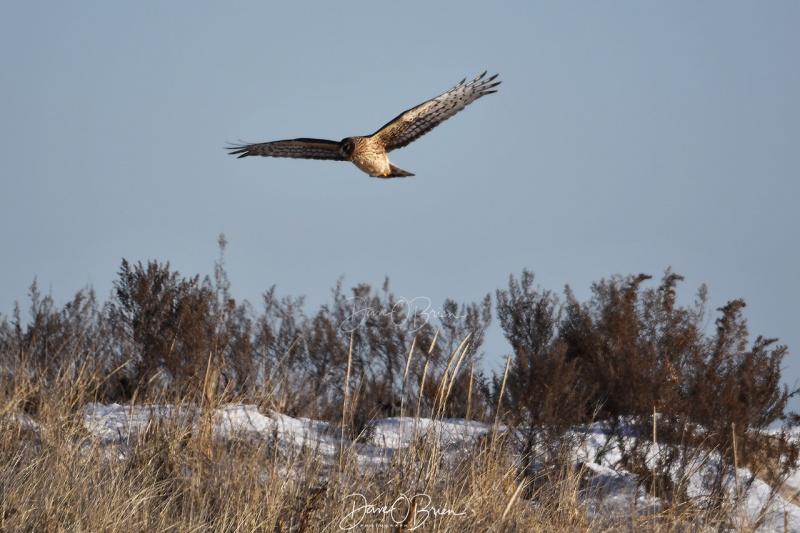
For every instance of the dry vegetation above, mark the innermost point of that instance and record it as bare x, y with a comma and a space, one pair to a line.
165, 339
177, 475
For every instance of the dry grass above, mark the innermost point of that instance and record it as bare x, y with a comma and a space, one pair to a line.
177, 475
172, 341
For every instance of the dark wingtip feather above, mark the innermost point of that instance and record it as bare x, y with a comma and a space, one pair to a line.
484, 84
235, 149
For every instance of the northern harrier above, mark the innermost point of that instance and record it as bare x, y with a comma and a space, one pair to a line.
369, 153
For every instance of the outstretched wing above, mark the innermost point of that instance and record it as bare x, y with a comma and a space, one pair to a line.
296, 148
410, 125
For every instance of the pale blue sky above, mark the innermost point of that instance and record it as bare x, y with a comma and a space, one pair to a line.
625, 138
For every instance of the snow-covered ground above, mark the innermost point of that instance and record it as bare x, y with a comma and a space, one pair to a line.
617, 490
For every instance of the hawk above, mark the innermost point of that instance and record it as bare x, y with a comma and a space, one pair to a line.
369, 153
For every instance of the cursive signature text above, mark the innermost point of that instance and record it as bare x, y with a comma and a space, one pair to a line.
412, 511
416, 312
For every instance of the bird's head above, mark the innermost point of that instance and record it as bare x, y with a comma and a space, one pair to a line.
347, 147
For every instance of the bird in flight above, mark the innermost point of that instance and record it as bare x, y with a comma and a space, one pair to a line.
369, 153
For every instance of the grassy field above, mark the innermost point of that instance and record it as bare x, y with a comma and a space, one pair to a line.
618, 414
176, 472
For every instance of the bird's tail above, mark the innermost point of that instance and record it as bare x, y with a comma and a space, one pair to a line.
397, 172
